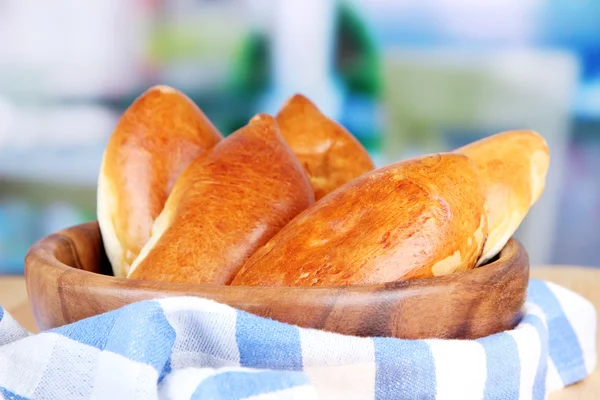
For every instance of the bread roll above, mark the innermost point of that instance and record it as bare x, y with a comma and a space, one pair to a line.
418, 218
225, 206
157, 137
330, 155
513, 167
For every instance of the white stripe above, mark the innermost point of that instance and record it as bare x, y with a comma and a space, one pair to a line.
118, 377
553, 380
205, 333
23, 363
339, 365
295, 393
71, 360
582, 316
529, 347
460, 369
172, 304
322, 349
348, 382
10, 330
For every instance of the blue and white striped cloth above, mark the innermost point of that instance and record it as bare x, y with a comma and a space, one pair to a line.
190, 348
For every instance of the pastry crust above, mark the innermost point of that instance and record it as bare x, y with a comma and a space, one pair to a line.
330, 155
157, 137
417, 218
513, 167
224, 206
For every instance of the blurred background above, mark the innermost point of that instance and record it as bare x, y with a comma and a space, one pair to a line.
407, 77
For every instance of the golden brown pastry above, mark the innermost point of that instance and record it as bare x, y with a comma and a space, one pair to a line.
417, 218
157, 137
224, 206
513, 167
330, 155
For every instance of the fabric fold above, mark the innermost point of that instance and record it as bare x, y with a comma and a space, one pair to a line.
193, 348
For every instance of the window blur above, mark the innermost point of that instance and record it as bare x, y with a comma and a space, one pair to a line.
407, 77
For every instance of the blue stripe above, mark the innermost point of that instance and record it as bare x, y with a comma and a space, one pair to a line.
142, 333
539, 383
503, 367
139, 332
565, 350
267, 344
8, 395
1, 313
167, 369
93, 331
405, 369
234, 385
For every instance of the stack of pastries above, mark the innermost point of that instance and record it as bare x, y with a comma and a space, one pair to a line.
295, 200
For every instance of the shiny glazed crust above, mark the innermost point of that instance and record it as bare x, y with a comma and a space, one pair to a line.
330, 155
417, 218
224, 206
157, 137
513, 167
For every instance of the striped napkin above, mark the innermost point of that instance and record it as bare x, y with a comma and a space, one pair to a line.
191, 348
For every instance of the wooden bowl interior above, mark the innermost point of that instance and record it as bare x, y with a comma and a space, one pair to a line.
69, 278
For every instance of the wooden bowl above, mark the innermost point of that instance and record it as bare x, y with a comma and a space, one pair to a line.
68, 279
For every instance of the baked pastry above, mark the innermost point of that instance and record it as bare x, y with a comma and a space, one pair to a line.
226, 205
417, 218
513, 167
157, 137
329, 153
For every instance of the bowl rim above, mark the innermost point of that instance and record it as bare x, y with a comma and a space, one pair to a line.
42, 253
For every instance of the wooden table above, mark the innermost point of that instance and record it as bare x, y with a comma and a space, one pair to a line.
585, 281
13, 298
